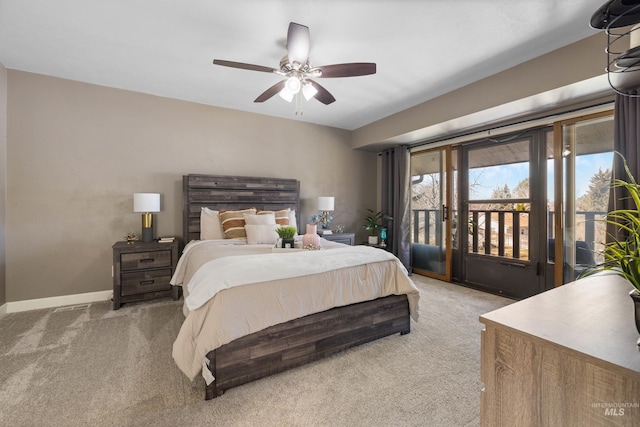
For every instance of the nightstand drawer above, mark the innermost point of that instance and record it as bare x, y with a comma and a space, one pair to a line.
146, 281
140, 260
345, 238
344, 241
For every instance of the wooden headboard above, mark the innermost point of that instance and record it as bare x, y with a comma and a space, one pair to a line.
220, 192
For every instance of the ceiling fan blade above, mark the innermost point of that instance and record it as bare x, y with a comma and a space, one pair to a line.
244, 66
348, 70
271, 91
323, 95
298, 43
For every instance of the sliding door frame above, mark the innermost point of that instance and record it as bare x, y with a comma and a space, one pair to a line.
559, 193
447, 207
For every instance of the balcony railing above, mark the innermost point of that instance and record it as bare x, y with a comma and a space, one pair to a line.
427, 228
506, 231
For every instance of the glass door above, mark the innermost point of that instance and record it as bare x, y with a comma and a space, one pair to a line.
501, 205
431, 213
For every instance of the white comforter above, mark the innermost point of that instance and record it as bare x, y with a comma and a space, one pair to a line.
230, 294
224, 273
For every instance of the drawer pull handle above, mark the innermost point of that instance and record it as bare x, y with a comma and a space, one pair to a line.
147, 282
147, 260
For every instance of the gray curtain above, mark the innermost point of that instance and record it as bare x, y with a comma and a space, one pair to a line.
396, 201
626, 119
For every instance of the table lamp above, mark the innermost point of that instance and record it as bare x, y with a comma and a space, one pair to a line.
325, 205
147, 203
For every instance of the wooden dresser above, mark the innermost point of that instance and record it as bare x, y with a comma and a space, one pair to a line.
566, 357
143, 271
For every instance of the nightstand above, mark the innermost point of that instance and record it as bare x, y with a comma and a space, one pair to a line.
346, 238
143, 271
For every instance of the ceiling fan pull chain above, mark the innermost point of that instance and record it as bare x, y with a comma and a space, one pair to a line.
298, 104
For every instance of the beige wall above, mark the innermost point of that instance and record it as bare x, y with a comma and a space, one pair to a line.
77, 153
3, 180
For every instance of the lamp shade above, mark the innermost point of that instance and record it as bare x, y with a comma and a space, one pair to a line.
146, 202
325, 203
286, 95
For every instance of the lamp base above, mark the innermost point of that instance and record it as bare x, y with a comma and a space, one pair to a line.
147, 234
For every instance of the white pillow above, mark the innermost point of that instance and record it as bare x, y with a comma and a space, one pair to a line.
262, 219
261, 234
210, 227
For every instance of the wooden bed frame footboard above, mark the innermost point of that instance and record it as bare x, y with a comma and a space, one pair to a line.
304, 340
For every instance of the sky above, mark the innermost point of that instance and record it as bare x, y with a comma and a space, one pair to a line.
494, 176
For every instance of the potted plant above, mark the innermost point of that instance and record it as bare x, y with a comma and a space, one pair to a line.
287, 233
622, 253
373, 222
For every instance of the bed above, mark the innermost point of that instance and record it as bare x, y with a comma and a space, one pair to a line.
239, 332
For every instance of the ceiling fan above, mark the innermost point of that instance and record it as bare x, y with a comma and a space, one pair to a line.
297, 69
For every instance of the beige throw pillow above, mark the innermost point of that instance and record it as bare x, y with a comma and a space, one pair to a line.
210, 228
261, 219
261, 234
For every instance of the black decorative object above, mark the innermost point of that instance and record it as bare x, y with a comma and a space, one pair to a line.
623, 44
288, 243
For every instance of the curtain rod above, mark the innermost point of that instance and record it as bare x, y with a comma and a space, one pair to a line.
512, 127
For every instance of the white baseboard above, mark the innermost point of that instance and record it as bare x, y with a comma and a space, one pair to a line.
35, 304
3, 309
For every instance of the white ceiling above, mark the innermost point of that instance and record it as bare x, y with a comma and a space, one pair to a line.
423, 48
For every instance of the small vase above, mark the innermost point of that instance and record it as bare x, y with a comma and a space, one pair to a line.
311, 238
635, 296
373, 240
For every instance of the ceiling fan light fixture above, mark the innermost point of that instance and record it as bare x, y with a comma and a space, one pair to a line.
308, 91
293, 85
286, 95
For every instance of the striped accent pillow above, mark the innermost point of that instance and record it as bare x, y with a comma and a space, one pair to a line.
282, 216
233, 223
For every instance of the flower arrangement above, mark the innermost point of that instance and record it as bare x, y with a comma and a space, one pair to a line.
321, 219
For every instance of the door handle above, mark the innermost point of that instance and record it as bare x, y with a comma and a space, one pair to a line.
445, 212
539, 269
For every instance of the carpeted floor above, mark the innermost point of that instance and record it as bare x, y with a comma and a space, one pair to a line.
99, 367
